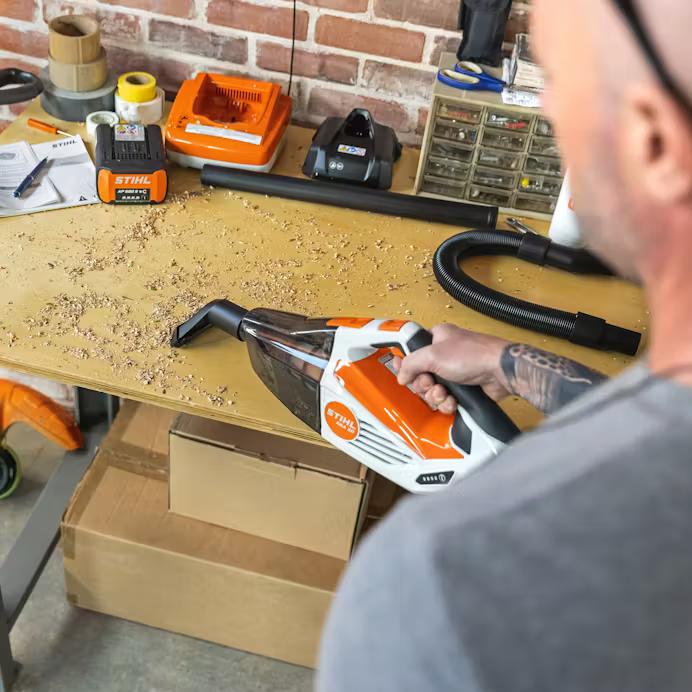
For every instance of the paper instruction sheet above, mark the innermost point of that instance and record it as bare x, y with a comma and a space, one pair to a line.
69, 173
16, 162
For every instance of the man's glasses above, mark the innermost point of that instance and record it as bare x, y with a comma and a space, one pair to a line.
634, 20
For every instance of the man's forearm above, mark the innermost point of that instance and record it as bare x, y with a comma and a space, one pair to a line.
545, 380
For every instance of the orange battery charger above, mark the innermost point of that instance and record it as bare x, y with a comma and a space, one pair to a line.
227, 121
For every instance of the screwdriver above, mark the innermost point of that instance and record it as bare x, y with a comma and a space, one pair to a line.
46, 127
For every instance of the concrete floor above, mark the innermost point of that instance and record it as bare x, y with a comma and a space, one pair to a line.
65, 649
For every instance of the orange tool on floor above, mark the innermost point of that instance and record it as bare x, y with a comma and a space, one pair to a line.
21, 404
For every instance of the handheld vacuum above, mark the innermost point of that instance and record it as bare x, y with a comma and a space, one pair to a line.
336, 375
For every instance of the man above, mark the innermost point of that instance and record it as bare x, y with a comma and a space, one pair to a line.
565, 565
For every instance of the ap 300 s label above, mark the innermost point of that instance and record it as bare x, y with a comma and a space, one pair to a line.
354, 151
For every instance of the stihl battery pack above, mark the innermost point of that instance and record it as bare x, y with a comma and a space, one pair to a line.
130, 164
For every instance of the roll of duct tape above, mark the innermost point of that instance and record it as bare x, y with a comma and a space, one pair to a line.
74, 39
100, 118
137, 87
85, 77
75, 106
147, 112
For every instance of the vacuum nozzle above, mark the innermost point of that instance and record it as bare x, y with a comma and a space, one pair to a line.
219, 313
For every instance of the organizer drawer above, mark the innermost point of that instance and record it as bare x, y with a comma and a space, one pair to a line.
485, 195
543, 165
451, 150
452, 130
496, 158
463, 114
544, 146
507, 121
540, 184
544, 204
544, 128
504, 139
447, 168
443, 186
489, 177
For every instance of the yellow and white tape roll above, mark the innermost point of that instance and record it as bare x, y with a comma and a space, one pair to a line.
100, 118
145, 112
137, 87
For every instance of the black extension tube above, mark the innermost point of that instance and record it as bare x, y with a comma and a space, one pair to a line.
579, 328
351, 197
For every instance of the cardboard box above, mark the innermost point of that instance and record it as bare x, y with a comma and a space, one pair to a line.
305, 495
127, 555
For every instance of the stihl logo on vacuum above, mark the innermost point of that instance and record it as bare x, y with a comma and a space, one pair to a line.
132, 180
341, 420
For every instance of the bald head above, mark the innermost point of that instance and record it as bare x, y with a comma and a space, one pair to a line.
668, 24
625, 139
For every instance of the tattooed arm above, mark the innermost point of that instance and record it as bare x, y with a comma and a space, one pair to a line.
501, 368
545, 380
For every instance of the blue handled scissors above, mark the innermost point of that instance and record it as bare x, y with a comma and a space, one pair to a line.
471, 77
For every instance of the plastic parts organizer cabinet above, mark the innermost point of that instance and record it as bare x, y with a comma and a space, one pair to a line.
478, 149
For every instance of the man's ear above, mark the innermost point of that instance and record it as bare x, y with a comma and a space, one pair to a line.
658, 145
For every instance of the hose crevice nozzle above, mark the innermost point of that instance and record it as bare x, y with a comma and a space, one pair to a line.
219, 313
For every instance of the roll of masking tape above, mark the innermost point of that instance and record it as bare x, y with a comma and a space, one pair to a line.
78, 77
74, 39
146, 112
137, 87
100, 118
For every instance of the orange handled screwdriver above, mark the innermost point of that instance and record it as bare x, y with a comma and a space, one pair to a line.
46, 127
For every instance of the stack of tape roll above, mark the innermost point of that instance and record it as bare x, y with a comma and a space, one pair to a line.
138, 99
76, 81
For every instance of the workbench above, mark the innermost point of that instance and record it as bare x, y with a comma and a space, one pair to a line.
91, 294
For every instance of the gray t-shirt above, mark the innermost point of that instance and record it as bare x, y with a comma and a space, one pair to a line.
565, 565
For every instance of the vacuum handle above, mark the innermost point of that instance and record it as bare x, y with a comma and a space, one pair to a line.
485, 412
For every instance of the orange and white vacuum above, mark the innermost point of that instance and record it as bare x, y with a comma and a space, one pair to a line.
336, 376
227, 121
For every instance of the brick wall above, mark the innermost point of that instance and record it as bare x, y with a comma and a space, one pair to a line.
377, 53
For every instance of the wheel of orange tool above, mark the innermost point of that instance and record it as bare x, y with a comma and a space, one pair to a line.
10, 472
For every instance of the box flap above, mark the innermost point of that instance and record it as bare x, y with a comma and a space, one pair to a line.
275, 448
139, 435
131, 506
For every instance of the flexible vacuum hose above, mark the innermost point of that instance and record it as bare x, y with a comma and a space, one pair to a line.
579, 328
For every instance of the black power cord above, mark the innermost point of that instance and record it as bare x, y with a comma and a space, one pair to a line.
293, 49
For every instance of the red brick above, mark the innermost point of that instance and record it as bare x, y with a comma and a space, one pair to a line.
336, 68
175, 8
518, 24
404, 82
116, 25
328, 102
364, 37
261, 19
343, 5
443, 14
4, 124
444, 44
188, 39
169, 73
422, 121
18, 9
21, 64
15, 40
